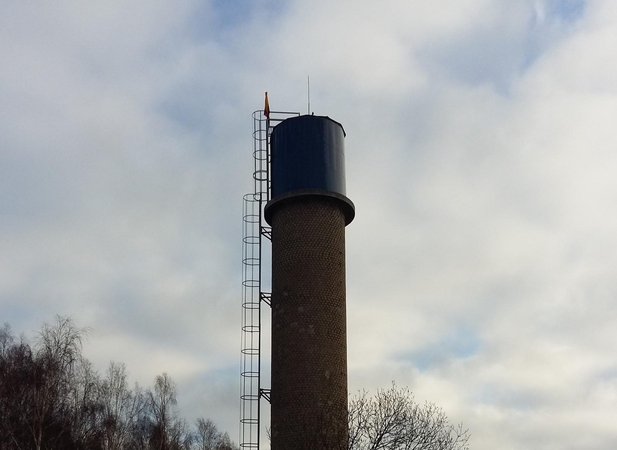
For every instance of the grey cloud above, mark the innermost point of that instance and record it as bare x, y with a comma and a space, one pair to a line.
126, 149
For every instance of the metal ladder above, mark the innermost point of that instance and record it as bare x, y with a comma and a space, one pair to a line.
253, 293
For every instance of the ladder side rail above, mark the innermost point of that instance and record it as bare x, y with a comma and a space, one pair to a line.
261, 157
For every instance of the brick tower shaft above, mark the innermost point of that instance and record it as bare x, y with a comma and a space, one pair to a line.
309, 348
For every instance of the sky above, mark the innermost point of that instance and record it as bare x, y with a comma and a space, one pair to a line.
480, 155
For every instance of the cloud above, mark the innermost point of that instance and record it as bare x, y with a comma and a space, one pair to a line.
479, 156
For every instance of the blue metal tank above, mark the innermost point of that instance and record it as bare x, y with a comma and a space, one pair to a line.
308, 159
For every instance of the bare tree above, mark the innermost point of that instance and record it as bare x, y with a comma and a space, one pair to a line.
121, 408
16, 380
392, 420
57, 358
168, 431
225, 443
45, 391
52, 398
208, 437
6, 340
82, 413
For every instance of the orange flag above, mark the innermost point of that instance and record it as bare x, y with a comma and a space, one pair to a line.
267, 107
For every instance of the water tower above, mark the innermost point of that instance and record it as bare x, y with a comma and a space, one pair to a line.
300, 205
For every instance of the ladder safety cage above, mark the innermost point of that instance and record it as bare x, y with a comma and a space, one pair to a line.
254, 228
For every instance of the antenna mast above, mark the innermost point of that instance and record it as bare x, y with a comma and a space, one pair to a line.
308, 89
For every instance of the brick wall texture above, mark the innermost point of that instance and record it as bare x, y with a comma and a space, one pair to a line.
309, 339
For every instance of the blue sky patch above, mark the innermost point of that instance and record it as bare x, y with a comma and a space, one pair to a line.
459, 344
220, 17
565, 10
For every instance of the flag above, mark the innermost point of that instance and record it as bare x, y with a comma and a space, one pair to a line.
267, 107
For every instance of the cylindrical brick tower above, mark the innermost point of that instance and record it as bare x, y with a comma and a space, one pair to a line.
308, 214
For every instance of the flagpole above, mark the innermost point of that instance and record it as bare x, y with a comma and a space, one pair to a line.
267, 114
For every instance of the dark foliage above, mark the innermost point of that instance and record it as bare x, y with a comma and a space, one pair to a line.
51, 398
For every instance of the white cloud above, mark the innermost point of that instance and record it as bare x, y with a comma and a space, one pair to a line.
479, 156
